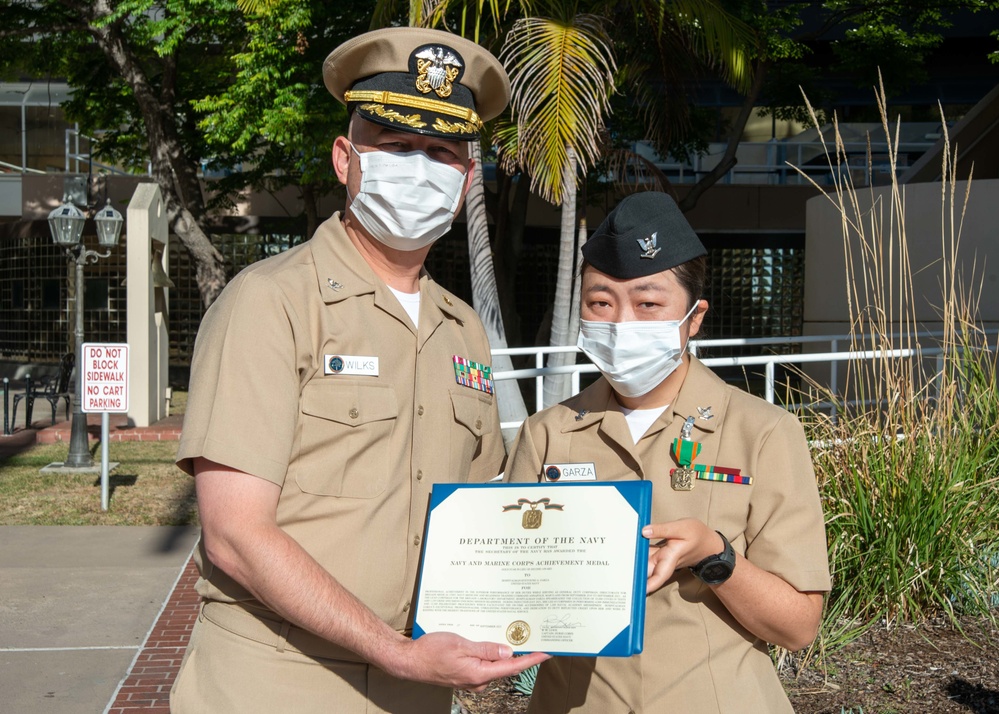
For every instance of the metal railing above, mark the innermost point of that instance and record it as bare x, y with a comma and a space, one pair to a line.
74, 156
778, 162
769, 362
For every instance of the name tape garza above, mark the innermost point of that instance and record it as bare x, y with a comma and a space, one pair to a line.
570, 472
357, 365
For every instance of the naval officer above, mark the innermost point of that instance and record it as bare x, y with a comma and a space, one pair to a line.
331, 387
738, 552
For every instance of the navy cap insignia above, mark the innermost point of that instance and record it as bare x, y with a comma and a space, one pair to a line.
436, 69
649, 246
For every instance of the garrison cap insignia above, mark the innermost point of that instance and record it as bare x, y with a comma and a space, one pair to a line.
649, 246
436, 69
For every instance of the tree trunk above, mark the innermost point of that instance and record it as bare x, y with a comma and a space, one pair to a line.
310, 200
576, 273
728, 159
175, 173
558, 386
485, 299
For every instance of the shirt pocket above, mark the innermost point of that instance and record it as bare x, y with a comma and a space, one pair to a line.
346, 439
473, 416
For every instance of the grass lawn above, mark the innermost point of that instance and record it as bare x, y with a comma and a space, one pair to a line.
146, 489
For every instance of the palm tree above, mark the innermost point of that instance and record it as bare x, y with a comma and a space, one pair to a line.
562, 69
562, 75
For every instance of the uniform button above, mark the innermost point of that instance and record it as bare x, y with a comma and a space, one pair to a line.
416, 540
419, 475
354, 413
478, 423
420, 410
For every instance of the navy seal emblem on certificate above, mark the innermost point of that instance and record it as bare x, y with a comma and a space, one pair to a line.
567, 577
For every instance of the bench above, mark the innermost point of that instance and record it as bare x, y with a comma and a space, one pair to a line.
52, 389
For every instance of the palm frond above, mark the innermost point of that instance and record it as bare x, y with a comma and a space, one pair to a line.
506, 141
714, 35
561, 74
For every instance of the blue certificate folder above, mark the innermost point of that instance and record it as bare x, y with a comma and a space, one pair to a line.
542, 567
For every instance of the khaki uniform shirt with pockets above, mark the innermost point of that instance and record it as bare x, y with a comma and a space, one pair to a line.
355, 452
697, 658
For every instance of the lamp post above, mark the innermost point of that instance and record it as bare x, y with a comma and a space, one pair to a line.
66, 224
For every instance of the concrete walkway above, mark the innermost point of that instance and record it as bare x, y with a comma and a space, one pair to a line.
93, 619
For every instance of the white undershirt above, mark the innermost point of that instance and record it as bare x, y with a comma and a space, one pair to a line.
410, 303
639, 420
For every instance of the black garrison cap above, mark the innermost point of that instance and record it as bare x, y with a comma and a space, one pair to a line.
646, 233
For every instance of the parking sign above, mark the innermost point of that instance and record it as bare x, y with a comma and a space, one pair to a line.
105, 377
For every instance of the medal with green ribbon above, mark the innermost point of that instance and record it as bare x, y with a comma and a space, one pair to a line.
685, 450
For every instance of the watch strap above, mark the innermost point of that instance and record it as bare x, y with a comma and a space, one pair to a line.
725, 558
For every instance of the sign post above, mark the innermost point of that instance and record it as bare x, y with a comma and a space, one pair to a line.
105, 390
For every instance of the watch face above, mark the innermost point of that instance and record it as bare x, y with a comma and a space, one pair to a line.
715, 572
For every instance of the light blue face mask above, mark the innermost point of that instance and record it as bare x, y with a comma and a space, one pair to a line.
406, 200
635, 356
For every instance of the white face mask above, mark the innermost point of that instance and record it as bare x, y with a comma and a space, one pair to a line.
635, 357
406, 200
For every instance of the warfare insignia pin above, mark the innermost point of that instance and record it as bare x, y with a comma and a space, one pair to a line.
649, 246
437, 68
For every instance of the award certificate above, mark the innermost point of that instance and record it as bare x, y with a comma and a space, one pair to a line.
556, 568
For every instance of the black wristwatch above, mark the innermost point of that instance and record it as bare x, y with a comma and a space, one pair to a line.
716, 569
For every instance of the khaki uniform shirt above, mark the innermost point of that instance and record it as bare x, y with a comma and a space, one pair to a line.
697, 658
355, 454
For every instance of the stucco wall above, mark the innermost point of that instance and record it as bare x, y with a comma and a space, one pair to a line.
925, 224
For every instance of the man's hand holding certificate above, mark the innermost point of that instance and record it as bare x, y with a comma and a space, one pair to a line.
556, 568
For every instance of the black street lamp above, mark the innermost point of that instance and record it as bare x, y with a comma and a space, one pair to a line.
66, 224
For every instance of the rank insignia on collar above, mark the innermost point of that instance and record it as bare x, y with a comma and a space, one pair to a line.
473, 374
437, 68
649, 246
581, 414
688, 426
334, 284
705, 413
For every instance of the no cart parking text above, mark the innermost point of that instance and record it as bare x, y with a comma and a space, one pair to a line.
105, 378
